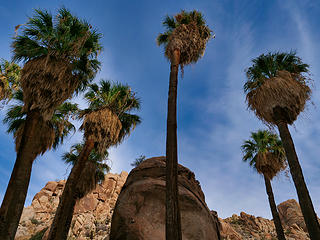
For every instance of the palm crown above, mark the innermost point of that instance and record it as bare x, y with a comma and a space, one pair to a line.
186, 32
60, 56
65, 37
109, 116
268, 65
277, 81
265, 153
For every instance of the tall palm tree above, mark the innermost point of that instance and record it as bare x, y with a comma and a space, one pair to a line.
185, 41
266, 155
106, 122
92, 174
9, 79
277, 90
60, 56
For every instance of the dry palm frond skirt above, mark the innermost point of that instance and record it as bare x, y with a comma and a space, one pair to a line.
284, 91
46, 83
87, 180
103, 127
189, 41
269, 164
44, 137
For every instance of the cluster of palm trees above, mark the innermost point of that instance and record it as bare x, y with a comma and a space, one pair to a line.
277, 90
60, 60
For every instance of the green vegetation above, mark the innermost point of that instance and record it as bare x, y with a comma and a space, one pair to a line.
59, 60
106, 122
277, 90
138, 161
266, 155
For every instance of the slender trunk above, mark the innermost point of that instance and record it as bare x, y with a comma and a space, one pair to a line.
15, 196
62, 219
173, 221
274, 211
305, 202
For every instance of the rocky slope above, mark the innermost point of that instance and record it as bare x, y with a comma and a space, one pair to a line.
93, 214
247, 226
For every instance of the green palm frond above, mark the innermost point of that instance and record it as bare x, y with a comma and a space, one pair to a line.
184, 17
117, 97
63, 37
15, 118
10, 74
267, 66
99, 160
129, 122
260, 143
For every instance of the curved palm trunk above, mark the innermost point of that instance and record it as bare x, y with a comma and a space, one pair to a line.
173, 221
305, 202
62, 219
274, 211
15, 196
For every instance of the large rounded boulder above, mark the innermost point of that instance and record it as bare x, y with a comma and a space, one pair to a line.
139, 213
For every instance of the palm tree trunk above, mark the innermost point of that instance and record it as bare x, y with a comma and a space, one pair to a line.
305, 202
15, 196
173, 221
274, 211
62, 219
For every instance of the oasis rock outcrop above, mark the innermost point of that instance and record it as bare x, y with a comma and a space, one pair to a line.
140, 210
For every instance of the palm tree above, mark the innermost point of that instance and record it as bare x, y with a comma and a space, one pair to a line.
92, 174
9, 79
266, 155
185, 41
60, 56
277, 90
94, 171
106, 122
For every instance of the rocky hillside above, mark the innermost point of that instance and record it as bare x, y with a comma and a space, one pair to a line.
92, 217
247, 226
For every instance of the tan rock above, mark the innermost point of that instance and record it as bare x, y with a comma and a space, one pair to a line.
228, 232
140, 209
51, 186
92, 216
290, 213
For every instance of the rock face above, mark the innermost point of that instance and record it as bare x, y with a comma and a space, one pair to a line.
290, 214
92, 215
140, 210
247, 226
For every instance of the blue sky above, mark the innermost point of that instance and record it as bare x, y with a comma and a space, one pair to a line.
213, 119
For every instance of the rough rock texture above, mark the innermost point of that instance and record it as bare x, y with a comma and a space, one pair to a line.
92, 215
247, 226
140, 210
290, 214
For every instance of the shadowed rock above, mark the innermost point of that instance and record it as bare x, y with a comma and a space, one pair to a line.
140, 208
